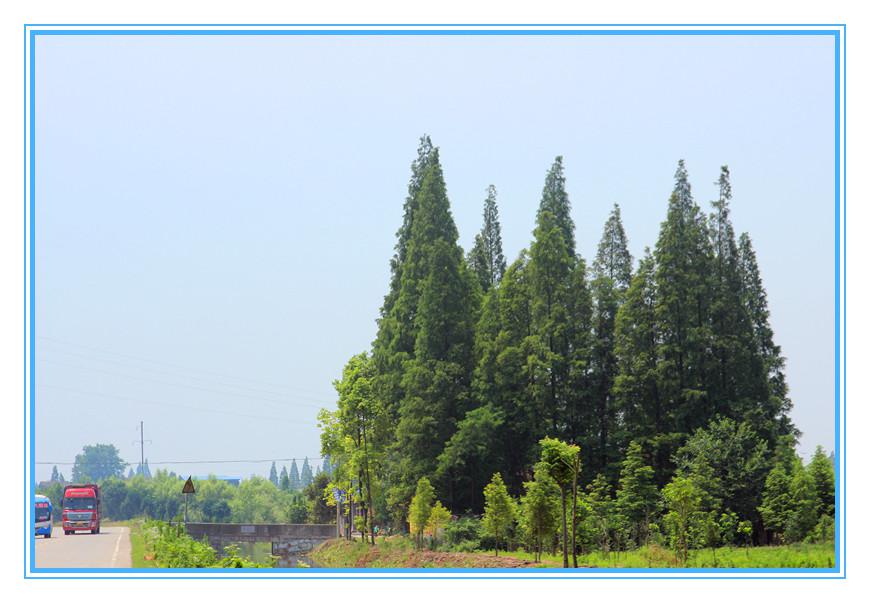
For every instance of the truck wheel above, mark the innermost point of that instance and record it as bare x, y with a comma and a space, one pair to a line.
95, 531
48, 535
66, 532
98, 530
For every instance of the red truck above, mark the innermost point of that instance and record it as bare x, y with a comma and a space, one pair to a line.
81, 508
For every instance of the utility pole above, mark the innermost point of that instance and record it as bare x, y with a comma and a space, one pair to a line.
141, 441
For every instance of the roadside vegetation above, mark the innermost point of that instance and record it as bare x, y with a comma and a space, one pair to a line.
168, 546
399, 551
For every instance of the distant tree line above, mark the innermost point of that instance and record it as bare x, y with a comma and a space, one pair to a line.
664, 374
293, 480
254, 500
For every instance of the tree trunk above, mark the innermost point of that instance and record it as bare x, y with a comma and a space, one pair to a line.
564, 531
369, 487
574, 520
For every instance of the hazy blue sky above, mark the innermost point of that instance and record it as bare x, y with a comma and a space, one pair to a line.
215, 215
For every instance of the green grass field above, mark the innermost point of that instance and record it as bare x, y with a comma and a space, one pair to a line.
792, 556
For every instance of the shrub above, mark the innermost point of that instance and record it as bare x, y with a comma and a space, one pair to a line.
824, 530
464, 534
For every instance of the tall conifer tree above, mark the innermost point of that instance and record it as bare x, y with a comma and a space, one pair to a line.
551, 264
776, 404
396, 335
436, 381
486, 258
284, 479
295, 481
503, 376
644, 415
306, 477
737, 382
611, 273
683, 295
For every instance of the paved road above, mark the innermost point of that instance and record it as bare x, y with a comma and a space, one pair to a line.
109, 548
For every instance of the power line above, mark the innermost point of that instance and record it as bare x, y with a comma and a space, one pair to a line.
275, 403
104, 351
183, 375
169, 404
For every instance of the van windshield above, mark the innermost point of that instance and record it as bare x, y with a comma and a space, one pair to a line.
79, 503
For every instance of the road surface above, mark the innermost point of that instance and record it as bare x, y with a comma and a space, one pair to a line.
109, 548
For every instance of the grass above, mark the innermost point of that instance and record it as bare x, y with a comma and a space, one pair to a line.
138, 548
399, 551
791, 556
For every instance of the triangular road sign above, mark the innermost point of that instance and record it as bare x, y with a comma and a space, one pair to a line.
188, 487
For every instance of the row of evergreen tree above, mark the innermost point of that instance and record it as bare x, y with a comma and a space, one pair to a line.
294, 480
475, 361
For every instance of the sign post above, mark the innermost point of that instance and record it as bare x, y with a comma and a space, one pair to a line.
338, 495
187, 491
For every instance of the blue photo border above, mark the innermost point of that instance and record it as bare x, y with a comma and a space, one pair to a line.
32, 31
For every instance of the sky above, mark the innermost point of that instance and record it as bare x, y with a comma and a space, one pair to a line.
215, 214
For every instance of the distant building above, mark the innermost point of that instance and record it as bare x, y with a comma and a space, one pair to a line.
233, 481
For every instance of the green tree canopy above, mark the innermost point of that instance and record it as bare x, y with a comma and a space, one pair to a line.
486, 258
420, 509
776, 503
499, 512
821, 470
683, 500
637, 497
96, 463
539, 510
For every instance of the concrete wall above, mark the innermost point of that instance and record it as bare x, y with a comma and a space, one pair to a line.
289, 541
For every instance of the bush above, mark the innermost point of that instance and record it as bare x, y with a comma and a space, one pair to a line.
172, 547
824, 530
466, 546
464, 534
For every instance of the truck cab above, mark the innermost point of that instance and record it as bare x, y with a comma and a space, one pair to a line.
42, 516
81, 508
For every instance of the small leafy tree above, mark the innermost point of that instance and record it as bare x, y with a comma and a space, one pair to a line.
421, 509
601, 511
499, 510
539, 510
562, 463
683, 500
744, 532
821, 470
438, 519
804, 515
776, 503
637, 497
728, 527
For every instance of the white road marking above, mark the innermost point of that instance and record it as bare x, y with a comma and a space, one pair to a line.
117, 548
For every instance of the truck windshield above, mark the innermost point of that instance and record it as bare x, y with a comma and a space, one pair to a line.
79, 503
